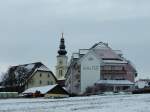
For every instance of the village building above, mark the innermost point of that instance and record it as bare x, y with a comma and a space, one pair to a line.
40, 77
99, 69
62, 65
27, 76
49, 91
142, 83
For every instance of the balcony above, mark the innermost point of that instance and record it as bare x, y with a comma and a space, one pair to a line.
113, 72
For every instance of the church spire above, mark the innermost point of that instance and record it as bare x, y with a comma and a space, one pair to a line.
62, 50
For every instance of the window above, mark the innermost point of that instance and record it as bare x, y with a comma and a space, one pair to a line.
107, 67
60, 73
48, 82
40, 75
40, 82
48, 75
118, 68
60, 62
123, 68
52, 82
113, 68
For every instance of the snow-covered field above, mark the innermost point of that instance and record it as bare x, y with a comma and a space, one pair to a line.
112, 103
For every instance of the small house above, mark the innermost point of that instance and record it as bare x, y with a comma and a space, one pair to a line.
21, 77
49, 91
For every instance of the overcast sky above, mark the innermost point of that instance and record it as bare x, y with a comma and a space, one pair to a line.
30, 30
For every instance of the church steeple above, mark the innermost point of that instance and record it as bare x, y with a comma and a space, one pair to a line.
62, 60
62, 50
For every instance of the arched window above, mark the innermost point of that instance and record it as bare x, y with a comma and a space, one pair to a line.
60, 73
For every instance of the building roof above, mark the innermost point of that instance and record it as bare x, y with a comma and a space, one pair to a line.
103, 51
62, 50
145, 80
23, 73
42, 89
43, 68
115, 61
105, 54
115, 82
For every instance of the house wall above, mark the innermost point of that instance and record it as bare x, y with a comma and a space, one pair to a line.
116, 68
73, 79
113, 72
90, 71
141, 84
67, 81
130, 73
41, 78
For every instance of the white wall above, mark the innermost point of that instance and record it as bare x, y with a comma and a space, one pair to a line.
141, 84
61, 66
44, 78
90, 71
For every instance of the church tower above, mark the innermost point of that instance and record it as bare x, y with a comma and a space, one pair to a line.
61, 67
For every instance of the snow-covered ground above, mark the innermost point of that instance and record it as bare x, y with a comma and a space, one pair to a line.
112, 103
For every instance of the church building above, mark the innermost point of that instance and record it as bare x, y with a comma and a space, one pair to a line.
62, 60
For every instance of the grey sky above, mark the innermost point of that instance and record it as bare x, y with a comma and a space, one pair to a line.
30, 29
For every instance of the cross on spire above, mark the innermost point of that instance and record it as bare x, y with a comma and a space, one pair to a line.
62, 35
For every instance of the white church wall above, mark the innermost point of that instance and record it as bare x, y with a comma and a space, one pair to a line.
61, 65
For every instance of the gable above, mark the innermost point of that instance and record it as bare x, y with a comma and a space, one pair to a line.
103, 51
100, 45
44, 76
57, 90
106, 54
90, 56
43, 89
22, 73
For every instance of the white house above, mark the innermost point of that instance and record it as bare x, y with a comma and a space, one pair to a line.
91, 67
142, 83
29, 75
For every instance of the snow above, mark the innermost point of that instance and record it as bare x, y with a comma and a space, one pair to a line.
1, 86
141, 84
115, 61
43, 89
124, 82
111, 103
43, 68
29, 66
